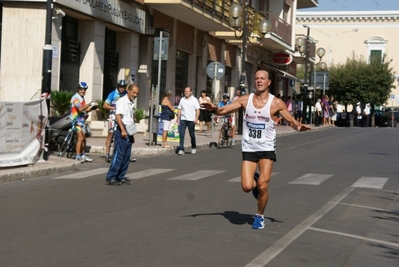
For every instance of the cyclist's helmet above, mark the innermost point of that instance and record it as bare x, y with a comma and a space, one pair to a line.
122, 83
82, 85
226, 95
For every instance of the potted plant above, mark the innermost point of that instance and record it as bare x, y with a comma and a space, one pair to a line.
138, 115
61, 101
101, 110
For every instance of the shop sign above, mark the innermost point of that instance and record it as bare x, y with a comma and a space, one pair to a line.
282, 58
113, 11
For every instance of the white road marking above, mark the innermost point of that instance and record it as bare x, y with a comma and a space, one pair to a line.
311, 179
286, 240
356, 236
196, 175
84, 174
146, 173
370, 182
238, 179
368, 207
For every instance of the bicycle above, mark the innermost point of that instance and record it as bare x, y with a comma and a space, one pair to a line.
226, 133
69, 143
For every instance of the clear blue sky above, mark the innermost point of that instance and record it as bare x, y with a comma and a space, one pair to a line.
355, 5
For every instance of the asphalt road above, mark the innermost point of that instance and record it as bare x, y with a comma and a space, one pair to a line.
334, 199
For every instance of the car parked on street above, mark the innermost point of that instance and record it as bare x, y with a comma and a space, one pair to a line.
377, 118
390, 118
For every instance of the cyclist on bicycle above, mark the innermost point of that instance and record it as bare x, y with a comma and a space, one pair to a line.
79, 110
224, 102
110, 104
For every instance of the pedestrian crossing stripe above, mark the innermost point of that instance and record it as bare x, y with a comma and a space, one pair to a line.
197, 175
146, 173
370, 182
238, 179
83, 174
311, 179
307, 179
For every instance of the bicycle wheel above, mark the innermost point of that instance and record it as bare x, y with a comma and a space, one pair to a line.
221, 140
64, 146
229, 137
71, 145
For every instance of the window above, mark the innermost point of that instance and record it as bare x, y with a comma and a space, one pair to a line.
259, 5
376, 49
375, 56
181, 79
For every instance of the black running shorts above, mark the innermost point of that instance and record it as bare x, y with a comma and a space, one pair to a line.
256, 156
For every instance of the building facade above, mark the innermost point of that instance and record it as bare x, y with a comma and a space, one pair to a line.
101, 41
365, 33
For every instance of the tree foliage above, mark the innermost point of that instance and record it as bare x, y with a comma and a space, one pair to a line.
356, 80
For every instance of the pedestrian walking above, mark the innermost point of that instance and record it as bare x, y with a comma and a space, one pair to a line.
259, 138
299, 110
366, 113
167, 116
205, 115
124, 137
319, 112
189, 110
358, 114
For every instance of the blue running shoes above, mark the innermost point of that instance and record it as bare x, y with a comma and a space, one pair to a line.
259, 222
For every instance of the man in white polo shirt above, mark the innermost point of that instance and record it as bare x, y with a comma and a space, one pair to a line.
187, 117
124, 115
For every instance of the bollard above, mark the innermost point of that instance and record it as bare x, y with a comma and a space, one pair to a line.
351, 120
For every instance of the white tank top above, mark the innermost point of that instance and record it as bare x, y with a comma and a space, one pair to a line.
259, 132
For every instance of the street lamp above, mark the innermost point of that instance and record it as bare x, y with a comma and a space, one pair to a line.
238, 21
303, 46
46, 68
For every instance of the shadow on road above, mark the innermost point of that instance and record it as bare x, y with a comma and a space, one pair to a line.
234, 217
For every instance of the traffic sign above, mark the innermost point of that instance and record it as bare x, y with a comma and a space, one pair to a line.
392, 96
164, 42
215, 70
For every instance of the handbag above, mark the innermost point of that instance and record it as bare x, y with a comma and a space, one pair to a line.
131, 129
171, 115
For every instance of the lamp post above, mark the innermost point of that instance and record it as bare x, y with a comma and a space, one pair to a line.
303, 45
238, 21
46, 67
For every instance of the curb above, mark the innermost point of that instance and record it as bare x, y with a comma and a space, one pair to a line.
54, 164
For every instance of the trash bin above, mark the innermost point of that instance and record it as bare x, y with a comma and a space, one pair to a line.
155, 122
153, 129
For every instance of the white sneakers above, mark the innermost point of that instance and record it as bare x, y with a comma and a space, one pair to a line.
193, 151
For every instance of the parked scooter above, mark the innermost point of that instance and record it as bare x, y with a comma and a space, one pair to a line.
58, 127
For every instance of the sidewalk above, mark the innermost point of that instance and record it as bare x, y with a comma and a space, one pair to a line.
97, 145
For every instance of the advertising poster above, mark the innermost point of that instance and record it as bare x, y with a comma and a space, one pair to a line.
22, 126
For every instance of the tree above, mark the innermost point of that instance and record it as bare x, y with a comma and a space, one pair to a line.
357, 80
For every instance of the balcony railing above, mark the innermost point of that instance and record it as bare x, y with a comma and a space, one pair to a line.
279, 27
217, 8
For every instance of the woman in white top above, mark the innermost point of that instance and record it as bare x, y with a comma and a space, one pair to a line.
205, 115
